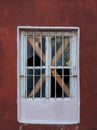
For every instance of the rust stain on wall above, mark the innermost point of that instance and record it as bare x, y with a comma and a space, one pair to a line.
48, 13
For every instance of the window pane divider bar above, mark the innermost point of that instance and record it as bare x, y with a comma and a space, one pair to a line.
41, 67
58, 67
62, 65
44, 67
53, 33
55, 66
33, 64
23, 66
49, 66
48, 75
25, 53
32, 67
47, 69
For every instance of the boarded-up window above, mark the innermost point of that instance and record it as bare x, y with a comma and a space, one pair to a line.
48, 75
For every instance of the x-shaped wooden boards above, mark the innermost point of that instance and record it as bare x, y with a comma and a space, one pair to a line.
42, 78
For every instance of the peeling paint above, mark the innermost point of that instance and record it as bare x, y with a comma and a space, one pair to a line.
77, 127
20, 127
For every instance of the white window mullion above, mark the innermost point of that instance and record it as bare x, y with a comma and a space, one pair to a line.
33, 64
47, 68
22, 73
55, 67
73, 77
50, 57
62, 66
74, 57
41, 67
25, 55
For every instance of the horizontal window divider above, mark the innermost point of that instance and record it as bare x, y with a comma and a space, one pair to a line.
60, 67
52, 67
47, 75
50, 34
34, 75
34, 67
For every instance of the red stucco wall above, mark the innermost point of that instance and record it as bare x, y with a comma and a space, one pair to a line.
82, 13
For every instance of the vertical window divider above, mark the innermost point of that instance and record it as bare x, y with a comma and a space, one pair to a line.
62, 65
22, 66
73, 66
49, 44
33, 63
47, 68
26, 64
71, 77
55, 66
41, 67
70, 58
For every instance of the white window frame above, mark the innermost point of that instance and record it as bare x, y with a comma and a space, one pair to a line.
50, 111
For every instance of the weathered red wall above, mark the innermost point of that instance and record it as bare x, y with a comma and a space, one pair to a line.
82, 13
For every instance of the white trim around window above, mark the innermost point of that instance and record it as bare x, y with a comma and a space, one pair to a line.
48, 89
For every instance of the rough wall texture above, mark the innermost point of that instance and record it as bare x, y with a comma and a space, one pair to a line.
82, 13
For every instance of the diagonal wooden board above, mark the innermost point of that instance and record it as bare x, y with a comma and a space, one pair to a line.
59, 80
42, 56
37, 49
60, 51
37, 86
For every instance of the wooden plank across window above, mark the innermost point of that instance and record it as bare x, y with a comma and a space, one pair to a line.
37, 86
37, 49
60, 51
59, 80
42, 56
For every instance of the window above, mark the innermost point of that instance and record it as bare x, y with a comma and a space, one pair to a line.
48, 75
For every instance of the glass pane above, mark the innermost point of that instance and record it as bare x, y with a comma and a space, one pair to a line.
52, 38
62, 79
29, 85
66, 53
59, 51
40, 42
30, 52
36, 51
43, 49
36, 83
